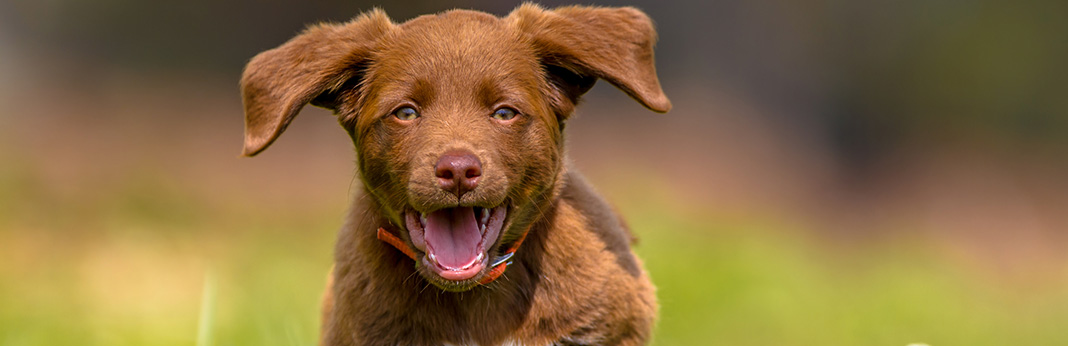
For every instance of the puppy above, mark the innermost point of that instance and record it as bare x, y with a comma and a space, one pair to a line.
470, 230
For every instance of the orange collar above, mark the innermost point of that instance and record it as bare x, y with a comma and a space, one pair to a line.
499, 265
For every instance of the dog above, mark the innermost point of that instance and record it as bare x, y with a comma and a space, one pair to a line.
470, 228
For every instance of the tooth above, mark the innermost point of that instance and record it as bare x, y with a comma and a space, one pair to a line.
482, 229
422, 219
485, 215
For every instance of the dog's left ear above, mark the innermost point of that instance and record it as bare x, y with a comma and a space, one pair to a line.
579, 44
277, 83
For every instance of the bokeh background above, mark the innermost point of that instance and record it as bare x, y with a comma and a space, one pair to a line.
833, 173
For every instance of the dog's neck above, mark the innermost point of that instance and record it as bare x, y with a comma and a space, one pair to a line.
486, 314
497, 308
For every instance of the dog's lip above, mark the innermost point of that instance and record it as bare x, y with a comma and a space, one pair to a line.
467, 272
491, 223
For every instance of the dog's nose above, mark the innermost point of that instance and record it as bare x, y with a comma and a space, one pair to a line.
458, 172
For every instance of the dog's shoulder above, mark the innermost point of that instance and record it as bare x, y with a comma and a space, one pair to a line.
600, 219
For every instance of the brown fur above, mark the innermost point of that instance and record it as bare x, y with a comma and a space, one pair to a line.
575, 280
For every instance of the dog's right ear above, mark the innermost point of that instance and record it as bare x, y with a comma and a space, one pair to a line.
277, 83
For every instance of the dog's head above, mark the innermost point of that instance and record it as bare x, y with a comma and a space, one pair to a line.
456, 117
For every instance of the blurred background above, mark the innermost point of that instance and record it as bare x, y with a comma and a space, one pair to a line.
833, 173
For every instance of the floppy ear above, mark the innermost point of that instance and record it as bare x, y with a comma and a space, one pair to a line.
579, 44
277, 83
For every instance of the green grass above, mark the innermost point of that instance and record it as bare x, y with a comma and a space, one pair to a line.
148, 263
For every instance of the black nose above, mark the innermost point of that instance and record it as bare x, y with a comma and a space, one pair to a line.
458, 172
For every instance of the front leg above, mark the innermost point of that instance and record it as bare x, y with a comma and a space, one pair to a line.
634, 332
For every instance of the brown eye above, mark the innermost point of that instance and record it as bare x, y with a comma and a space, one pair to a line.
504, 114
406, 113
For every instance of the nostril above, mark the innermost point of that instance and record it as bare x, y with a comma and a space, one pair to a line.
472, 172
444, 173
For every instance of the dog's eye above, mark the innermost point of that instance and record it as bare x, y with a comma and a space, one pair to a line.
406, 113
504, 114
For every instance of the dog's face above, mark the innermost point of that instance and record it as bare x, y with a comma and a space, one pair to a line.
453, 133
456, 117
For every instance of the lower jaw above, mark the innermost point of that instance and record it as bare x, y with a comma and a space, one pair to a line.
448, 285
458, 275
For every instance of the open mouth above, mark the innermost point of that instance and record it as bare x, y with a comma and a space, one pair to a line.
455, 240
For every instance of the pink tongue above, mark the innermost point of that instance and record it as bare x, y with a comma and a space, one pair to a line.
453, 237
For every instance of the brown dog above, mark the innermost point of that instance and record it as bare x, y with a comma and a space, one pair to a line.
471, 230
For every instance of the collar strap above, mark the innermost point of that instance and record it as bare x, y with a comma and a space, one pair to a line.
499, 264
